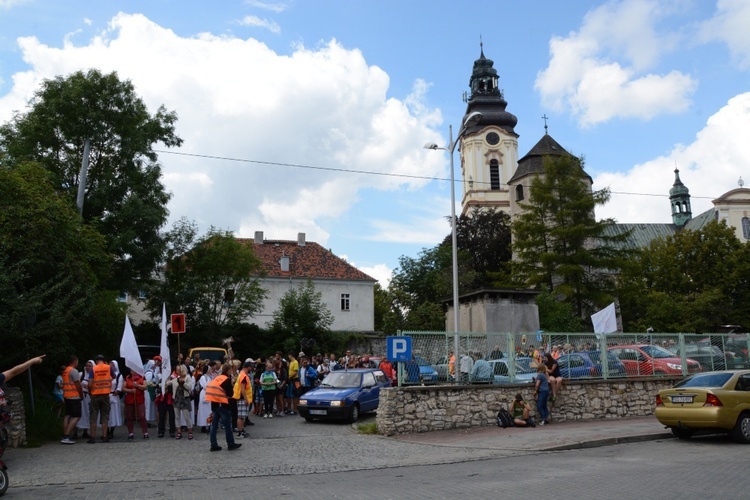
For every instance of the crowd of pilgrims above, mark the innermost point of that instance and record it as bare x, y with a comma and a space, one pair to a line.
183, 407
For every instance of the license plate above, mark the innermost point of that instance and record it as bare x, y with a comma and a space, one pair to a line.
318, 412
682, 399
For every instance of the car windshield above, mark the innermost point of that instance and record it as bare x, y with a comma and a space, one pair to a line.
706, 380
421, 361
657, 352
341, 380
596, 357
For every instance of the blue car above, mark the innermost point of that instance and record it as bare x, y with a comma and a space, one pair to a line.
588, 364
502, 376
419, 371
344, 394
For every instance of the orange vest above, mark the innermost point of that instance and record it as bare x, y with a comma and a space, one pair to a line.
69, 388
215, 393
102, 382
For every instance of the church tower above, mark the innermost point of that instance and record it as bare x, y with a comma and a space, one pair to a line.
679, 196
489, 149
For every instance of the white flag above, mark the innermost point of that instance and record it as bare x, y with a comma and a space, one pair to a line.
129, 350
605, 321
166, 364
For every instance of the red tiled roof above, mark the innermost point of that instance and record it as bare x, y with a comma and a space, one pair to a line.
308, 261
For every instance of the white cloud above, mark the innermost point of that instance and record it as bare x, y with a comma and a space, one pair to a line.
730, 25
87, 21
709, 167
380, 272
323, 107
272, 6
584, 77
8, 4
257, 22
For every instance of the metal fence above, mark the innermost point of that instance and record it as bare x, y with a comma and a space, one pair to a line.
506, 358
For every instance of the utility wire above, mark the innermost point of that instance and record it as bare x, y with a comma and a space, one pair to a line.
372, 172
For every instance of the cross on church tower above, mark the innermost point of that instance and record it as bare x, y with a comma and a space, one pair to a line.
545, 118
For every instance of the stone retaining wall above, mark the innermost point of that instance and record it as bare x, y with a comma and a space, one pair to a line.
17, 425
424, 409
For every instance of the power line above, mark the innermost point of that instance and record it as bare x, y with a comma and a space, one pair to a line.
372, 172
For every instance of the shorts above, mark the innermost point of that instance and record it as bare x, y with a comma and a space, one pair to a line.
73, 408
242, 408
289, 390
99, 407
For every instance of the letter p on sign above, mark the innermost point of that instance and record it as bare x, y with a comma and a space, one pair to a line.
398, 348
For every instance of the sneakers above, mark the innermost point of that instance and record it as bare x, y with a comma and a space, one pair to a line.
234, 446
543, 422
265, 416
216, 448
67, 440
130, 437
145, 436
242, 434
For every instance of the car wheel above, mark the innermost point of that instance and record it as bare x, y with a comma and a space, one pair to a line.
680, 433
354, 413
741, 431
3, 482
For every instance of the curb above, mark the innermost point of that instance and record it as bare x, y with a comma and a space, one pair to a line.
597, 443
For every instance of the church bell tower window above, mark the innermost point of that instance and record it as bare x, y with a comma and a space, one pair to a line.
494, 175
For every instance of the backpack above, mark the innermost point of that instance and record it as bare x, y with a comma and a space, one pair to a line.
504, 418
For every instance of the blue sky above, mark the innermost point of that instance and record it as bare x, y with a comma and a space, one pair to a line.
637, 86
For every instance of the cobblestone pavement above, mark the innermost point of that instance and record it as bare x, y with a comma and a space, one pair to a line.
278, 446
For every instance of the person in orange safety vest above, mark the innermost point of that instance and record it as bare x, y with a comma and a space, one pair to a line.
218, 392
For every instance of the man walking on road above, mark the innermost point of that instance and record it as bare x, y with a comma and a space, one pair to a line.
218, 392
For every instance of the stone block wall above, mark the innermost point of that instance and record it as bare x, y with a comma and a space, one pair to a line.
424, 409
17, 425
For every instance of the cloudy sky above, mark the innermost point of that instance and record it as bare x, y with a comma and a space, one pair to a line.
310, 116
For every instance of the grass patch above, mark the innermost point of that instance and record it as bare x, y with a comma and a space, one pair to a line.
368, 428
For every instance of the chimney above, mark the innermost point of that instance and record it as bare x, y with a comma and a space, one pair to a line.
258, 237
301, 239
284, 261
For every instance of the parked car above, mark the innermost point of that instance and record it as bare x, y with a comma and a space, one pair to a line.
648, 359
710, 357
708, 402
501, 374
344, 394
442, 367
735, 348
419, 371
588, 364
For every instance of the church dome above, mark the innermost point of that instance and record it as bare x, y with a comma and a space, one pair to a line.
487, 98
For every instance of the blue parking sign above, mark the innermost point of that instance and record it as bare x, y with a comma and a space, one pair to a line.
398, 348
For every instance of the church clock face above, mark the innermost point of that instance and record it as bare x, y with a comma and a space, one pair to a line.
492, 139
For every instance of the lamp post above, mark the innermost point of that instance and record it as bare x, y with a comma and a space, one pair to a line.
471, 120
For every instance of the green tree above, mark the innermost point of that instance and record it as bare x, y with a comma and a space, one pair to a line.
213, 279
51, 267
692, 281
125, 199
301, 315
559, 246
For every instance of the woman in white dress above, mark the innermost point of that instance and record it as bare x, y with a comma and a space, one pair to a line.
151, 381
204, 407
115, 403
83, 422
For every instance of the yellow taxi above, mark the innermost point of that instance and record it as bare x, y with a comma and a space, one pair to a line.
708, 402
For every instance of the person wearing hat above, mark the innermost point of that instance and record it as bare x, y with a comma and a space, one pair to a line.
243, 393
99, 389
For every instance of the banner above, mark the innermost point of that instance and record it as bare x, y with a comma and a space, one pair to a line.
166, 364
129, 350
605, 321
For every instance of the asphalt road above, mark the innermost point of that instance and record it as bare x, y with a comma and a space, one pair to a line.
293, 459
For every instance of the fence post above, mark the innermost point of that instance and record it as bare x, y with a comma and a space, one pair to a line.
511, 357
603, 355
683, 357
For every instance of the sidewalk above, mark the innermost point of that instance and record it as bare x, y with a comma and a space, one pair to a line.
554, 437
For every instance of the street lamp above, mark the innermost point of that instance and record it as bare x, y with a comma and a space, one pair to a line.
471, 120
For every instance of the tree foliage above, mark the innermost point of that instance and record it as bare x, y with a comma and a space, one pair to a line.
301, 315
50, 270
558, 244
213, 279
125, 199
692, 281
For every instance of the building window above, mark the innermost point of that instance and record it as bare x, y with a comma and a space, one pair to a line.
494, 175
228, 297
344, 301
519, 192
122, 297
142, 294
746, 228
